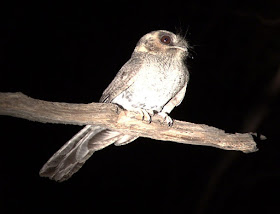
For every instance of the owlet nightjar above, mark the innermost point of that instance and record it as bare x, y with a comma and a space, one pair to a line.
153, 80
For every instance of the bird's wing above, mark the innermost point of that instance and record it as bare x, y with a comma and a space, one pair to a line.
124, 78
71, 157
176, 100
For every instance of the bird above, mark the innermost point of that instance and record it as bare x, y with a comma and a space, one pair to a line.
153, 81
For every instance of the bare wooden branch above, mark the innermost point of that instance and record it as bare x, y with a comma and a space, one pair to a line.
115, 118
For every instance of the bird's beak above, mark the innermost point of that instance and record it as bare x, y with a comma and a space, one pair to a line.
183, 48
182, 45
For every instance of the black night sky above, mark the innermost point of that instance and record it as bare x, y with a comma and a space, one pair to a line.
71, 52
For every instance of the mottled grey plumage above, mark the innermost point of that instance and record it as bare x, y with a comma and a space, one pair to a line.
154, 80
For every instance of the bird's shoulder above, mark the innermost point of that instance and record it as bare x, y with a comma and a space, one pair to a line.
124, 78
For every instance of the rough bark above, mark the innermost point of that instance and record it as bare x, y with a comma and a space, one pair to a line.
115, 118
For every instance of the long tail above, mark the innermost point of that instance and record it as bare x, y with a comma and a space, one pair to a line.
73, 154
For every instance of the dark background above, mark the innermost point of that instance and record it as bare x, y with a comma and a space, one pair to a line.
71, 52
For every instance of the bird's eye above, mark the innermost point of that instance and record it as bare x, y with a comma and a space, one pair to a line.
165, 40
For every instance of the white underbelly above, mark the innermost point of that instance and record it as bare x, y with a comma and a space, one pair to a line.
151, 90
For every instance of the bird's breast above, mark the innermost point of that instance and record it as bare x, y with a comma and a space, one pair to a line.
153, 87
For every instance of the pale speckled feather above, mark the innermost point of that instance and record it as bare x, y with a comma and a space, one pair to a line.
124, 78
155, 78
71, 157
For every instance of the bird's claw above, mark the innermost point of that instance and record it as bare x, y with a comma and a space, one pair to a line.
166, 118
145, 115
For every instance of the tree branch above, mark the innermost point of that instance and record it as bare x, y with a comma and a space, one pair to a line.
115, 118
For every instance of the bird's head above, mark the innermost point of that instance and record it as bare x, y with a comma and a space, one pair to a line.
162, 42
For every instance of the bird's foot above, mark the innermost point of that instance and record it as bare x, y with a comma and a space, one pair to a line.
145, 115
166, 118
